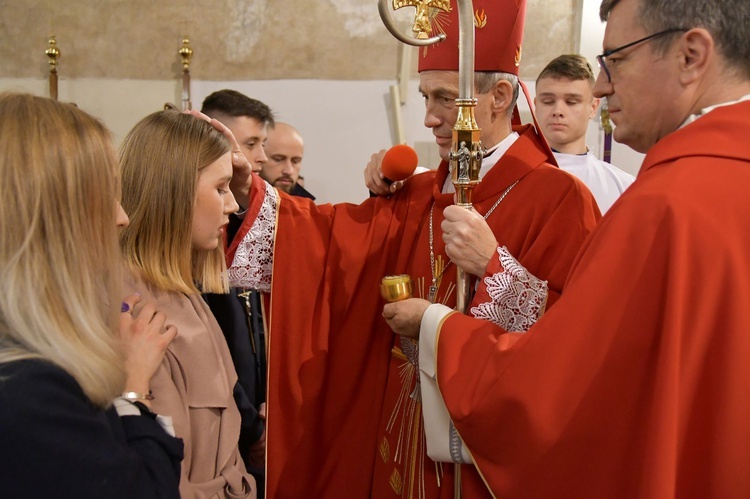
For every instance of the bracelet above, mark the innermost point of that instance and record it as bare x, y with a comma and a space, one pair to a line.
132, 396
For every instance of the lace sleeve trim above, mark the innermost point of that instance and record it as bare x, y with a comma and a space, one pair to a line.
253, 261
517, 297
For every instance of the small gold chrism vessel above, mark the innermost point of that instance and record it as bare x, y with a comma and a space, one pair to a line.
396, 287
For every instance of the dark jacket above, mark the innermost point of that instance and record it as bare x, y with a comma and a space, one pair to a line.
55, 443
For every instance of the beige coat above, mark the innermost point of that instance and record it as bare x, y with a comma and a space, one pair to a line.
194, 386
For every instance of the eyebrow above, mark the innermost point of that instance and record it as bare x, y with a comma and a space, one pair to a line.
438, 90
552, 94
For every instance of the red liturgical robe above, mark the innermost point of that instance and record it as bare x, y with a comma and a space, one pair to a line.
334, 374
635, 384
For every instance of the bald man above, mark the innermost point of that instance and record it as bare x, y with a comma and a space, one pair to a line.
284, 150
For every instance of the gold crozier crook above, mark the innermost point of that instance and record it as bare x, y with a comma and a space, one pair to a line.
422, 28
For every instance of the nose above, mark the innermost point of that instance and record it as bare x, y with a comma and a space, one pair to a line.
230, 206
557, 110
121, 218
431, 120
287, 168
260, 156
602, 87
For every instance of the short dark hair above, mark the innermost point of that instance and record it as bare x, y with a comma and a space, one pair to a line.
728, 21
571, 66
232, 103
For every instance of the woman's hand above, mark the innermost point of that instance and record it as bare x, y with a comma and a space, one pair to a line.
145, 337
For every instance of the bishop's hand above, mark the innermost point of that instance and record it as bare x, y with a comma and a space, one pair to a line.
405, 316
242, 169
469, 241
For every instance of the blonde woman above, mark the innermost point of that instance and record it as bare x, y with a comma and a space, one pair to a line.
62, 367
176, 171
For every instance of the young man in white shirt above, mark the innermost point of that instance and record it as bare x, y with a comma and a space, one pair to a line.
564, 105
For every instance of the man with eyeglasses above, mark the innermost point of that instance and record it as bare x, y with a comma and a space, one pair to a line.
635, 384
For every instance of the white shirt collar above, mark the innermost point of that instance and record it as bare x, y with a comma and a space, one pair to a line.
708, 109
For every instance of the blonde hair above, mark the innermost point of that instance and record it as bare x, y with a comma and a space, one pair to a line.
160, 160
59, 260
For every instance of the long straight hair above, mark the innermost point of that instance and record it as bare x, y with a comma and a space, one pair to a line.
59, 259
160, 160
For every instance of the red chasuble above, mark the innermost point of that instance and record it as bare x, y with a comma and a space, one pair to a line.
636, 383
333, 368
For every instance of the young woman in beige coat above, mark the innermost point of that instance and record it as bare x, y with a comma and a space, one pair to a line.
176, 170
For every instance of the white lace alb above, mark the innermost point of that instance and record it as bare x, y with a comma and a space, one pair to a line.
253, 261
517, 297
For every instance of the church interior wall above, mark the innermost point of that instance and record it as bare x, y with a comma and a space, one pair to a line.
324, 66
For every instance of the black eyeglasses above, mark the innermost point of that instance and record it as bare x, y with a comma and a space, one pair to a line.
602, 59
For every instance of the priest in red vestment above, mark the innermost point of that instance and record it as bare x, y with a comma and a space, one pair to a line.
635, 384
343, 409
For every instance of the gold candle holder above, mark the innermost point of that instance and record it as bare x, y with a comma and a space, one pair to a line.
396, 287
53, 54
186, 53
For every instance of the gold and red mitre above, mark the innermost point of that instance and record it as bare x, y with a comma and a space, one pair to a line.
498, 28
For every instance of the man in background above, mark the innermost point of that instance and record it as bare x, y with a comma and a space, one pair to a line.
284, 150
564, 106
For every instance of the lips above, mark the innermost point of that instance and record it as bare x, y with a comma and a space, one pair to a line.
443, 141
614, 114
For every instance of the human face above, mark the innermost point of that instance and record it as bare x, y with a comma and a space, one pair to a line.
251, 136
563, 109
284, 149
644, 90
214, 203
440, 90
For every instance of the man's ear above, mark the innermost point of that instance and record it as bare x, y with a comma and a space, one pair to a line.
594, 107
696, 52
502, 96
